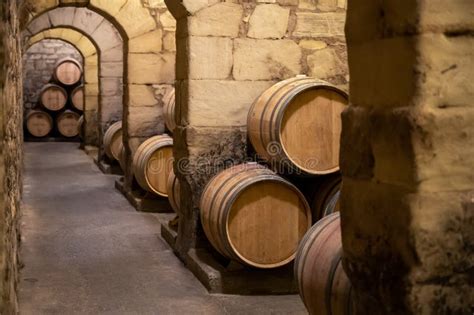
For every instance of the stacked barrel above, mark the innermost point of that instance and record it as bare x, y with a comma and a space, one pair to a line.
152, 163
254, 214
60, 104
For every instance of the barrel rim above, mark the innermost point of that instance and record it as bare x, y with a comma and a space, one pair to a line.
279, 119
271, 178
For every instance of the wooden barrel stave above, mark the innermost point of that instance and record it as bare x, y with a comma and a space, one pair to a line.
322, 282
77, 98
67, 124
169, 110
156, 149
53, 97
68, 71
294, 108
112, 139
38, 123
225, 214
325, 200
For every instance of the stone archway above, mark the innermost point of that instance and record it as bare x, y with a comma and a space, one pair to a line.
91, 75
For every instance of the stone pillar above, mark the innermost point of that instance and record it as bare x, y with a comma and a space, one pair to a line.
407, 157
11, 156
228, 53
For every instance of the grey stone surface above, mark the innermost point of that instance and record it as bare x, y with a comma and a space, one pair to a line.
87, 251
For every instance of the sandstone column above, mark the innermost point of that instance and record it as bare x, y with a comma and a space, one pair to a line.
408, 156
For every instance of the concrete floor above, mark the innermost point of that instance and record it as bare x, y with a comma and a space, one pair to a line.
85, 250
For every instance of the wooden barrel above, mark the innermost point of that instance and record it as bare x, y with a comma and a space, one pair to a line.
296, 125
67, 123
169, 110
253, 216
322, 282
68, 71
53, 97
112, 141
152, 164
80, 127
326, 198
173, 188
39, 123
77, 98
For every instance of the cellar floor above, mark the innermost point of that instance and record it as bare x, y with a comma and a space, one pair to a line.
85, 250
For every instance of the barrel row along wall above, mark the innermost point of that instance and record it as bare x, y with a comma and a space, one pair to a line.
227, 54
38, 65
407, 157
147, 29
10, 153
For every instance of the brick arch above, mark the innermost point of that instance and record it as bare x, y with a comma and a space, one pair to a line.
91, 75
109, 45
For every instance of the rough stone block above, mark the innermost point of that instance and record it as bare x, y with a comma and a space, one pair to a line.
312, 44
91, 74
232, 98
110, 86
106, 36
151, 68
269, 59
209, 58
169, 41
71, 35
86, 20
92, 103
111, 109
111, 69
150, 42
222, 19
269, 21
85, 46
141, 95
310, 24
114, 54
145, 121
39, 24
135, 19
91, 89
167, 21
62, 16
111, 7
324, 64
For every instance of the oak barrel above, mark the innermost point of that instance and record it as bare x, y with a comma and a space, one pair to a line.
173, 188
67, 123
322, 282
326, 197
253, 216
39, 123
169, 110
296, 125
53, 97
80, 127
112, 140
152, 164
68, 71
77, 98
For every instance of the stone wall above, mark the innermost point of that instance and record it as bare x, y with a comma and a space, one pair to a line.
38, 66
228, 52
408, 155
10, 153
